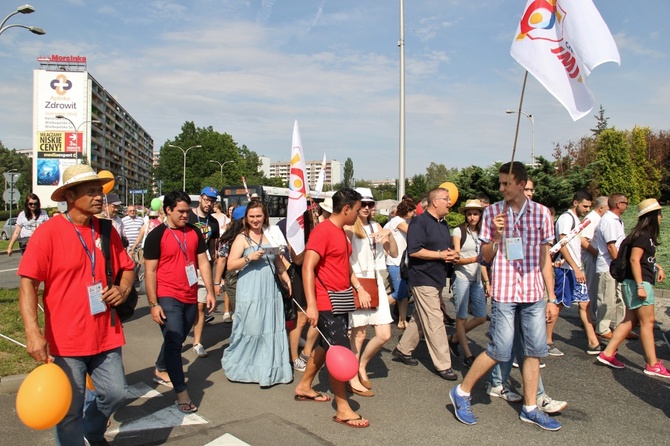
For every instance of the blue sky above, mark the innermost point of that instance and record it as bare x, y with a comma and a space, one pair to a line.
249, 68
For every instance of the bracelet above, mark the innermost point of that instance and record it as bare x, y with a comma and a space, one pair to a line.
358, 287
153, 304
439, 255
640, 285
247, 259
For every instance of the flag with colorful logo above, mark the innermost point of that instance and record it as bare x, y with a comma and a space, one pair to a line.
318, 188
297, 195
560, 42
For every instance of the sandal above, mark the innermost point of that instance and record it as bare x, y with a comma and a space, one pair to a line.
188, 407
318, 398
352, 422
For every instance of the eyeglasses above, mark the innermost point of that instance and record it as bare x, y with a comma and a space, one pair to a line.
209, 200
624, 202
442, 198
367, 204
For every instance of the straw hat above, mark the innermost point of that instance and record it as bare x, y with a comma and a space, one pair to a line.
471, 204
646, 206
327, 204
74, 175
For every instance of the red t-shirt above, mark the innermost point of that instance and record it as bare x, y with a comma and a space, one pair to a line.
174, 249
332, 244
56, 257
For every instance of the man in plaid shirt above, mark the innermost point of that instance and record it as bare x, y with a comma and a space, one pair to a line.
516, 235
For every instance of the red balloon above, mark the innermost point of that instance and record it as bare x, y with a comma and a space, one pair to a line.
341, 362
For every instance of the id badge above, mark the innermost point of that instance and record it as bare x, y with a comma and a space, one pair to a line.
209, 256
191, 275
95, 301
514, 248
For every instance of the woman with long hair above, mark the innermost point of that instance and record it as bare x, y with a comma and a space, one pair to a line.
370, 243
225, 280
398, 226
27, 221
258, 350
638, 290
471, 283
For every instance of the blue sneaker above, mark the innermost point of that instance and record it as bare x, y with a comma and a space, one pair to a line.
462, 408
540, 418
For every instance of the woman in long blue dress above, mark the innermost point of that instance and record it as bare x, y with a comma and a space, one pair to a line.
258, 350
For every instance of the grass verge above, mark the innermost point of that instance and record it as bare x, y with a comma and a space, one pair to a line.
13, 358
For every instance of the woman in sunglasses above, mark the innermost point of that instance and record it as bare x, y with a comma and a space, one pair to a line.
28, 220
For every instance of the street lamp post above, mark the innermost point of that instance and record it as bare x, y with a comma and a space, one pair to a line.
532, 121
25, 9
76, 130
126, 179
184, 152
221, 164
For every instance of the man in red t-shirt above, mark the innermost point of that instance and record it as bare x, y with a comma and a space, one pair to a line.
79, 332
173, 254
326, 267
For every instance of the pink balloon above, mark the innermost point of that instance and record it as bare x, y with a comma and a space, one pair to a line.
342, 363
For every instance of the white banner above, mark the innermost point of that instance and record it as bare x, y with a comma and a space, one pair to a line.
297, 195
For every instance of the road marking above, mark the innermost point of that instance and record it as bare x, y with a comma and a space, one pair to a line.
141, 390
8, 270
227, 440
164, 418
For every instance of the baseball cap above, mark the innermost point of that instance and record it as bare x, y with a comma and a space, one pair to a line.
239, 212
113, 199
210, 192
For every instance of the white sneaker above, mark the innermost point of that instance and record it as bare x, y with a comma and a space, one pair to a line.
299, 364
503, 391
200, 350
227, 318
548, 405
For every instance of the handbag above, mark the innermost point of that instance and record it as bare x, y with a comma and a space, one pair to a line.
289, 307
341, 301
126, 309
369, 285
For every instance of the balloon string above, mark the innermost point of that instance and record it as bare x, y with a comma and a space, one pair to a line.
317, 328
14, 341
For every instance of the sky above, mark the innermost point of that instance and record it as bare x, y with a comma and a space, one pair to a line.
249, 68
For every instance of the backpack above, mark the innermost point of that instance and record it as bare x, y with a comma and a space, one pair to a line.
620, 267
125, 310
557, 257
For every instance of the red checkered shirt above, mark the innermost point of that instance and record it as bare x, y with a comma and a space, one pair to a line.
518, 281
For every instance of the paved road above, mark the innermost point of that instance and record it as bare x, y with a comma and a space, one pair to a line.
411, 406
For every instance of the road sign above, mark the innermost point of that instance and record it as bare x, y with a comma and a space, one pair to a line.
11, 177
11, 195
137, 191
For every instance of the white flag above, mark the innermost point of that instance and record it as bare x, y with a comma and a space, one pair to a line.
318, 188
560, 42
297, 195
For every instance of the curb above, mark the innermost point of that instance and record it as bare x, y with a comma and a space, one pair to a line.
10, 384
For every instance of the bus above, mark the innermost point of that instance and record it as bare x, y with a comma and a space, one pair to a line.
274, 198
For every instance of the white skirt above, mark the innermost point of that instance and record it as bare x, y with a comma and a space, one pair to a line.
379, 316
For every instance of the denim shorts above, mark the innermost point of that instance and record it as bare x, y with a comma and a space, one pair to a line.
567, 289
400, 289
533, 329
469, 295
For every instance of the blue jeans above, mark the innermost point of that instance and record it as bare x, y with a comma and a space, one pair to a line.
106, 370
179, 318
400, 290
502, 370
469, 295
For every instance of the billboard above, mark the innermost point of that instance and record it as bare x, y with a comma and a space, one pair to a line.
57, 144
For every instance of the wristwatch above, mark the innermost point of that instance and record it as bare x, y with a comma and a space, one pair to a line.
153, 304
552, 301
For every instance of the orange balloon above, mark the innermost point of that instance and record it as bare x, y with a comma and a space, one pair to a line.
44, 397
107, 188
89, 383
453, 191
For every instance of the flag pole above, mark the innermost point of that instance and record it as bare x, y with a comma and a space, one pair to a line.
516, 132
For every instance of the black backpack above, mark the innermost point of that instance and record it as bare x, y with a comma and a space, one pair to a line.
125, 310
620, 267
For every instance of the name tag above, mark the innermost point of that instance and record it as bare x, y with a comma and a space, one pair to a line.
514, 248
191, 275
95, 301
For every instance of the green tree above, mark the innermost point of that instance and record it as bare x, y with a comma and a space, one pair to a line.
614, 164
601, 122
11, 160
437, 174
348, 173
417, 187
646, 174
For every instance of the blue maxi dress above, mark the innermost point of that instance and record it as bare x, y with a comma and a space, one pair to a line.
258, 350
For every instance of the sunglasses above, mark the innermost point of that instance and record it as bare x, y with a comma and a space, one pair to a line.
153, 218
367, 204
32, 203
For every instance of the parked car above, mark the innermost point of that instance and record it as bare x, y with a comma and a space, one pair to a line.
8, 229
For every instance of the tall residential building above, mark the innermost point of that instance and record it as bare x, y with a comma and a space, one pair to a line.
282, 169
75, 119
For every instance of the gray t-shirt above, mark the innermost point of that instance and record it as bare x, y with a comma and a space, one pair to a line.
470, 248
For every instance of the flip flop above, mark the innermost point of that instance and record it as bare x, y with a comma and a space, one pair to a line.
351, 422
312, 398
161, 381
186, 407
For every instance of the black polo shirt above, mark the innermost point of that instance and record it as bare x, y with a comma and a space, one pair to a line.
426, 232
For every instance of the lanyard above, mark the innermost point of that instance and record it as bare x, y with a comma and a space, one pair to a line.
373, 245
260, 242
516, 220
184, 246
89, 254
